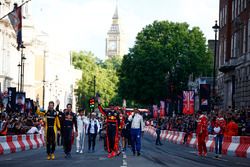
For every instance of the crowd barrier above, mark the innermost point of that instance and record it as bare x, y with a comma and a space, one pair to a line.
234, 146
12, 144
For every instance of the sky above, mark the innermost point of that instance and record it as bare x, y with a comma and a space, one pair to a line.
83, 24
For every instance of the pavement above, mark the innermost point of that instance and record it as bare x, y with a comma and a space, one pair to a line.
167, 155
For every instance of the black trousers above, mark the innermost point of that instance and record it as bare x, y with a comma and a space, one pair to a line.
91, 140
111, 137
158, 138
51, 143
67, 136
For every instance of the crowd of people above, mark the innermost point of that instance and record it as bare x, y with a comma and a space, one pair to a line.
60, 127
13, 122
237, 123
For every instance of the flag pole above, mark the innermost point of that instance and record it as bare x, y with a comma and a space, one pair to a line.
14, 9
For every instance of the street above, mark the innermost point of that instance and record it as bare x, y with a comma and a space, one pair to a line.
169, 155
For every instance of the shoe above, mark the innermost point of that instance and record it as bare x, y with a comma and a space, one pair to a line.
161, 144
138, 153
204, 154
48, 157
220, 156
133, 153
77, 151
109, 155
69, 156
113, 154
81, 152
53, 156
216, 156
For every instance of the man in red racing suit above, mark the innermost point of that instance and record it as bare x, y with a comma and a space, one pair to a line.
113, 123
202, 133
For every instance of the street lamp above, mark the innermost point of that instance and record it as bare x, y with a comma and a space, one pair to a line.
18, 84
216, 28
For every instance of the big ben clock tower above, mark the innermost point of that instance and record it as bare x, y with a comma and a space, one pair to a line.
113, 40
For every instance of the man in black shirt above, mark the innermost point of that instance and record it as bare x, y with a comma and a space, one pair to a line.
68, 120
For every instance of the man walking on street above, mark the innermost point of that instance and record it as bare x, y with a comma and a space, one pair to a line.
92, 130
158, 131
137, 126
51, 126
69, 119
219, 129
112, 126
82, 122
202, 133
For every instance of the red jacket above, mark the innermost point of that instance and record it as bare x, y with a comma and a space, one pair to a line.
202, 125
220, 122
231, 129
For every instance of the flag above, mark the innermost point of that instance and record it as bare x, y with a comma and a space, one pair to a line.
188, 102
155, 111
162, 109
204, 97
16, 21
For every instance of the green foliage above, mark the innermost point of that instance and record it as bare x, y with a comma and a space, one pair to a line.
106, 77
150, 67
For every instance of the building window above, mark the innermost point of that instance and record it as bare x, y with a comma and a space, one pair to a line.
224, 52
238, 8
225, 17
248, 37
242, 5
244, 39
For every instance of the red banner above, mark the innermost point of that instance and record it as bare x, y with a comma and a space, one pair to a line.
162, 109
188, 102
155, 111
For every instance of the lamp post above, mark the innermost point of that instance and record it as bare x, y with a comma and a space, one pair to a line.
216, 28
18, 83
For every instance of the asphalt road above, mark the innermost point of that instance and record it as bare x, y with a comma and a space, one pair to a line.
169, 155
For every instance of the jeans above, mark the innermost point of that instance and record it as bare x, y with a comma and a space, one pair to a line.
218, 142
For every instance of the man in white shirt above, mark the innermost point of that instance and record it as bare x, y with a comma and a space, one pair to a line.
137, 127
82, 122
93, 129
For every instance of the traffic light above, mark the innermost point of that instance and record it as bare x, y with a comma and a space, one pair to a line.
92, 103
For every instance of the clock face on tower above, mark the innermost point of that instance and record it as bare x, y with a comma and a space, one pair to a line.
112, 45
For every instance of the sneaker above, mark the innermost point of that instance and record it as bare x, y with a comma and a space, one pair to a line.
113, 154
48, 157
81, 152
77, 151
69, 156
220, 156
138, 153
53, 156
109, 155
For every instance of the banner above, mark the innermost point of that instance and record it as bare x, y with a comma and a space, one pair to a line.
188, 102
12, 96
162, 109
155, 111
205, 97
20, 102
16, 21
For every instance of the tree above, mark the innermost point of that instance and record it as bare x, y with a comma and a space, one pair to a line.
105, 73
150, 67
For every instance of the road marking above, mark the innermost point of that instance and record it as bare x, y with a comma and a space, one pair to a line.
124, 160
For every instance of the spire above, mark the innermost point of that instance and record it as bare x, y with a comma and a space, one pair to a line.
116, 12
